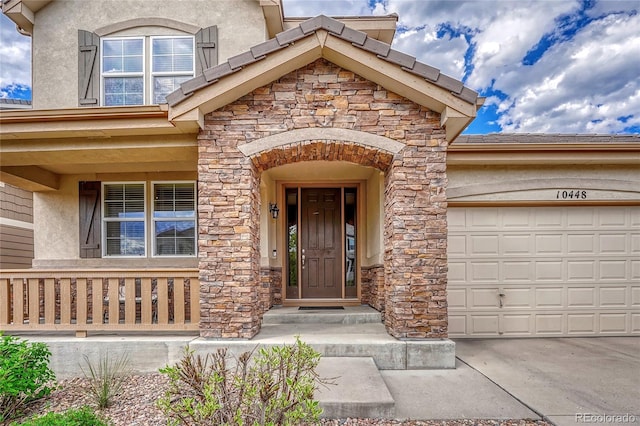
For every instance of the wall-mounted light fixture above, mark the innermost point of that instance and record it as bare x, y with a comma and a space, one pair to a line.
274, 210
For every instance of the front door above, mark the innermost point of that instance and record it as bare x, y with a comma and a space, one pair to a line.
320, 243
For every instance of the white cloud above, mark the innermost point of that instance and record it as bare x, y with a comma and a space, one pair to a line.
582, 85
15, 55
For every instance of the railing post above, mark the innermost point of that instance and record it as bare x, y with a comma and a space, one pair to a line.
5, 303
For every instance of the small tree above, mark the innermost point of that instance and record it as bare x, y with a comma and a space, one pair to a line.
274, 386
24, 374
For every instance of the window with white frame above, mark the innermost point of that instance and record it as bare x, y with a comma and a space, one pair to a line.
129, 77
124, 219
174, 218
172, 63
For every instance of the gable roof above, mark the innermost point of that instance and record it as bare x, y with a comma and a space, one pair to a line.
325, 37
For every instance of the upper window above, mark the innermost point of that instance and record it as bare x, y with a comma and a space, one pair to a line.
125, 79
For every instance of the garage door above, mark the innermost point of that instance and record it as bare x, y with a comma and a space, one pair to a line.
544, 271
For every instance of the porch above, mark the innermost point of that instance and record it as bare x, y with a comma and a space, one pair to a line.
91, 300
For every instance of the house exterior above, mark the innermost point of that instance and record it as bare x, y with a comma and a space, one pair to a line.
188, 175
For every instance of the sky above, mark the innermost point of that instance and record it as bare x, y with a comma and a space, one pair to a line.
551, 66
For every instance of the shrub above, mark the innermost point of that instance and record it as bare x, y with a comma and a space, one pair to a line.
273, 387
80, 417
24, 374
106, 378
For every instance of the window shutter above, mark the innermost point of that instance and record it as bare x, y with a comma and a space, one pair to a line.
90, 216
88, 69
206, 48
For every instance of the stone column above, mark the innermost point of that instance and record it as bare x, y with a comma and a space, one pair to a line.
416, 241
228, 209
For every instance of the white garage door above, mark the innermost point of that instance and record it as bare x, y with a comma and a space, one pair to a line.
544, 271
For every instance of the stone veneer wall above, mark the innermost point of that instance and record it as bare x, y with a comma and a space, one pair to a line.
372, 286
271, 287
322, 95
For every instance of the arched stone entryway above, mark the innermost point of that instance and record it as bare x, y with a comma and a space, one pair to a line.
234, 149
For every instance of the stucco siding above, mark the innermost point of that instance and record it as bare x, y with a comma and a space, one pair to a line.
55, 46
542, 183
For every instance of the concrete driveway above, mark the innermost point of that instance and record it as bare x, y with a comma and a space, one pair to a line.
565, 380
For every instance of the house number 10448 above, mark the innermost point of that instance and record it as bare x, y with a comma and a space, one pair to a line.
574, 194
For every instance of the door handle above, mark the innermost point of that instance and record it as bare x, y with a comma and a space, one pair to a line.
303, 258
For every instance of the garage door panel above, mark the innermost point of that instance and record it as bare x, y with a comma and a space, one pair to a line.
483, 298
550, 324
614, 297
613, 323
457, 272
635, 243
518, 218
517, 324
612, 217
457, 245
457, 325
484, 325
581, 244
484, 244
548, 271
517, 271
518, 298
635, 323
517, 244
581, 297
550, 218
548, 244
485, 218
457, 298
613, 243
581, 270
551, 297
581, 218
635, 296
563, 271
611, 270
581, 323
484, 271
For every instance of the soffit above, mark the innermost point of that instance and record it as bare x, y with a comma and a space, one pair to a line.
324, 37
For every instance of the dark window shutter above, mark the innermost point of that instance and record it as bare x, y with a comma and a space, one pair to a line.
206, 48
88, 68
90, 216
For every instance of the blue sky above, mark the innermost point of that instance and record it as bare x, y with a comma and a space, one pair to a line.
552, 66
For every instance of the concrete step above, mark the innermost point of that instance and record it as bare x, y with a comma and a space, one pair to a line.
359, 390
348, 315
346, 340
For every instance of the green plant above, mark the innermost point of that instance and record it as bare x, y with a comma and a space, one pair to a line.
106, 377
72, 417
274, 386
24, 374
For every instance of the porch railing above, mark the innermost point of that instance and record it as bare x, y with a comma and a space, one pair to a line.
99, 300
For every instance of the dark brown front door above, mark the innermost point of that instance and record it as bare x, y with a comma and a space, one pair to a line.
320, 243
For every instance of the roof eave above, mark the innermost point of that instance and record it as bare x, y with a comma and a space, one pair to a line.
22, 12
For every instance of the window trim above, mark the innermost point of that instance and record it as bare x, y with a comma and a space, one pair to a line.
153, 220
153, 74
104, 220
